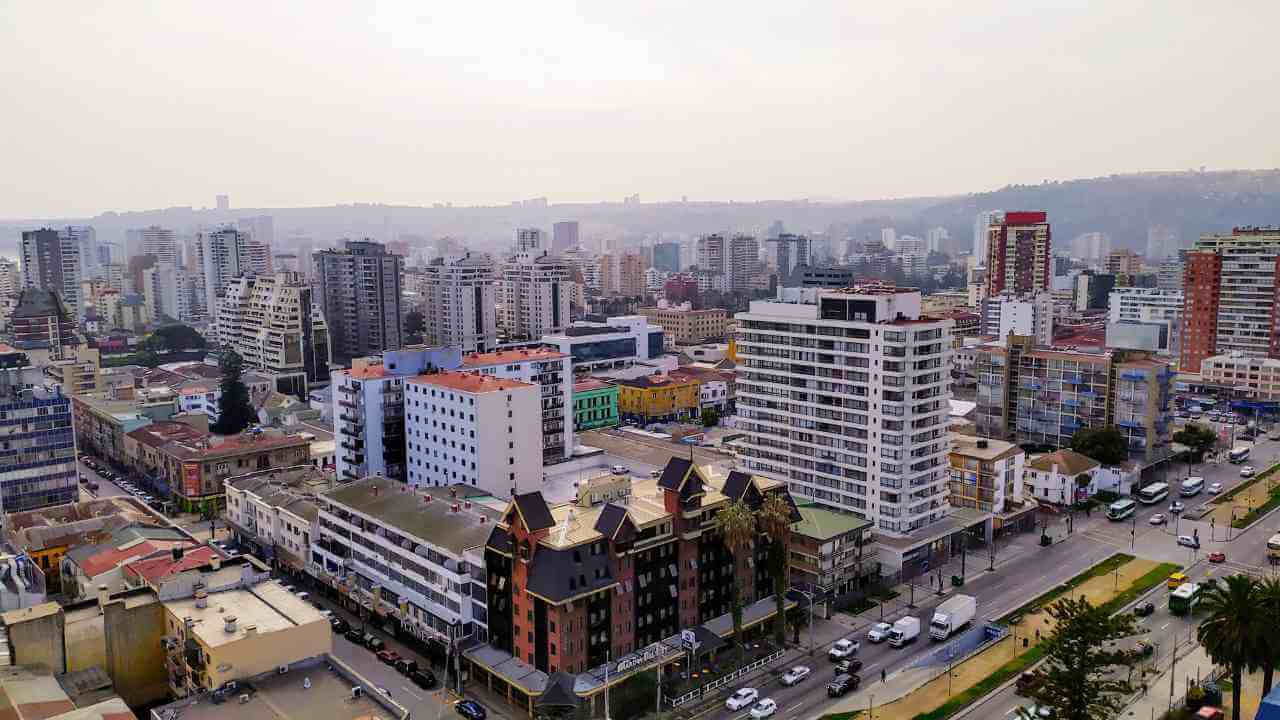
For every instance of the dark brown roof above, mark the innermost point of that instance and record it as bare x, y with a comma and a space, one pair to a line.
674, 473
534, 511
559, 575
614, 523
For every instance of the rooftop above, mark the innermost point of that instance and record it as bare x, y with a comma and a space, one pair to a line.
467, 382
267, 607
822, 524
158, 434
33, 693
153, 569
968, 446
591, 383
502, 357
368, 372
657, 380
409, 510
1067, 461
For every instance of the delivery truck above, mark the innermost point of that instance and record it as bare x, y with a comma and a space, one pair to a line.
952, 615
906, 630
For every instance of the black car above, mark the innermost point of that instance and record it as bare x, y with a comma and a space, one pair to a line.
848, 666
423, 679
470, 709
339, 625
1144, 609
355, 635
843, 684
405, 666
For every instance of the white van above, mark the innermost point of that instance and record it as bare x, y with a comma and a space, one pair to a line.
1192, 486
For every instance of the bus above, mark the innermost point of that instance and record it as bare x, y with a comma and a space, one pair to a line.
1121, 509
1273, 549
1239, 454
1153, 493
1184, 599
1192, 486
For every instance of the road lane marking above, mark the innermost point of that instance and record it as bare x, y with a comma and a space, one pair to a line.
1162, 627
793, 707
412, 694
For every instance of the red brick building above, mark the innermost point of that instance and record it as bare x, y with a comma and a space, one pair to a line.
1019, 257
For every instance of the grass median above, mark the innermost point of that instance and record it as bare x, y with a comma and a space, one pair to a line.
1273, 501
1244, 486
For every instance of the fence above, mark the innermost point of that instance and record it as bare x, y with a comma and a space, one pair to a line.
721, 682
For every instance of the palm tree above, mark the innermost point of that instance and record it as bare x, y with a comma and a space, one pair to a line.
775, 522
1229, 632
1268, 594
737, 527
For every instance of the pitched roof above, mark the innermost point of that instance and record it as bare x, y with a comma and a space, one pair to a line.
155, 568
559, 690
613, 522
1068, 461
499, 540
823, 524
557, 575
534, 511
738, 486
674, 473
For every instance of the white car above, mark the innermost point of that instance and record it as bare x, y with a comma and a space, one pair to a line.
1158, 519
1189, 541
842, 649
1215, 488
1035, 711
879, 632
744, 697
1176, 507
1246, 471
795, 675
764, 709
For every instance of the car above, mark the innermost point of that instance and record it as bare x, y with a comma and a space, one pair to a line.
422, 678
1215, 488
795, 675
354, 634
404, 666
1143, 648
288, 588
93, 486
374, 643
1217, 556
1175, 580
303, 595
1190, 541
848, 666
1158, 519
339, 625
879, 632
742, 698
470, 709
1176, 507
1246, 471
1144, 609
621, 470
764, 709
1027, 681
842, 684
843, 648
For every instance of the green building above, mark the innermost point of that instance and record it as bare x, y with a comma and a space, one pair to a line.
595, 404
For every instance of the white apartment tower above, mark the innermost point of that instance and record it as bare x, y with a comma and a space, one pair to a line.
845, 395
552, 372
276, 328
527, 240
166, 289
789, 253
368, 420
224, 255
160, 242
459, 303
534, 292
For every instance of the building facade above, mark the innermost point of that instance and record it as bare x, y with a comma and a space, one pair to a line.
1019, 253
1229, 289
38, 468
458, 299
534, 293
275, 327
51, 261
1249, 377
618, 342
683, 325
595, 404
1030, 314
358, 289
552, 373
659, 398
368, 421
222, 256
985, 473
831, 552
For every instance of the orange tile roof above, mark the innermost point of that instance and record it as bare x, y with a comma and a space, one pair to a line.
591, 383
196, 390
468, 382
155, 568
511, 356
368, 372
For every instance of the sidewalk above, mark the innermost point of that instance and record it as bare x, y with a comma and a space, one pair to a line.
1192, 667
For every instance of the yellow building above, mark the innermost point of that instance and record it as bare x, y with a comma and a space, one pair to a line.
79, 374
658, 398
236, 634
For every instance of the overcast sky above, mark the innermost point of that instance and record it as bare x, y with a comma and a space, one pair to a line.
124, 106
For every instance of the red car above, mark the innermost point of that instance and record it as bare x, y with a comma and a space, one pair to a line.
389, 656
1217, 557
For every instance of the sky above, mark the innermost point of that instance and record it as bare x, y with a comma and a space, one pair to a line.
129, 105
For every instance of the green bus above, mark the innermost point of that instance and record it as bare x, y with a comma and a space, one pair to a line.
1183, 600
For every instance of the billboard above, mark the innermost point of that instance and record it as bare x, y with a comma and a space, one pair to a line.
191, 479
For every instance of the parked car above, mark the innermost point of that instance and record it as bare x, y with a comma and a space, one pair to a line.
795, 675
1217, 556
1215, 488
1144, 609
764, 709
339, 625
1143, 648
405, 666
1176, 507
1190, 541
354, 634
470, 709
374, 643
1246, 471
848, 666
1158, 519
879, 632
388, 657
424, 679
842, 684
742, 698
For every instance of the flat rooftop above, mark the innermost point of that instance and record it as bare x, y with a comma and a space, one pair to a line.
408, 510
467, 382
267, 606
503, 357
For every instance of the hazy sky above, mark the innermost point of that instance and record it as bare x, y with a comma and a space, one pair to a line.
121, 105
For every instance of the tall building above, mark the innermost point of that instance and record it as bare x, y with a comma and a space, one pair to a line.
51, 261
936, 238
1122, 261
358, 288
1006, 313
39, 467
980, 224
459, 303
10, 277
789, 253
160, 242
742, 257
276, 328
889, 238
1162, 242
222, 202
167, 291
630, 275
1230, 293
534, 292
1019, 253
528, 240
224, 255
564, 236
666, 256
85, 238
1091, 246
552, 372
262, 233
1169, 274
881, 412
711, 253
41, 321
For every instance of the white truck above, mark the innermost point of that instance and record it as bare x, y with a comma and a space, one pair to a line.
906, 630
952, 615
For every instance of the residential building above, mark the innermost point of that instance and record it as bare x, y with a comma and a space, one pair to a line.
666, 257
733, 258
874, 382
79, 373
101, 424
1028, 314
680, 288
47, 534
630, 275
528, 240
618, 342
98, 564
981, 223
51, 261
368, 419
552, 373
274, 325
790, 253
358, 290
534, 296
826, 277
1123, 262
41, 323
160, 242
1249, 377
458, 299
10, 277
985, 473
564, 236
1170, 272
1052, 477
832, 553
168, 292
685, 326
1132, 304
223, 255
1141, 397
1230, 296
271, 520
1019, 253
659, 398
595, 404
473, 429
411, 556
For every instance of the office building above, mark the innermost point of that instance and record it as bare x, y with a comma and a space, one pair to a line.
985, 473
458, 299
38, 468
276, 328
1028, 314
223, 255
618, 342
790, 252
51, 261
358, 289
595, 404
528, 240
564, 236
1019, 253
552, 373
1131, 304
879, 391
666, 257
826, 277
534, 296
683, 325
1169, 274
472, 429
1230, 296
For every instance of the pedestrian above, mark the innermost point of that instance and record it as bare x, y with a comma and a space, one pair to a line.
1037, 634
881, 676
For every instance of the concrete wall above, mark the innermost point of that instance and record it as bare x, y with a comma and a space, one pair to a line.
84, 638
266, 652
132, 627
35, 634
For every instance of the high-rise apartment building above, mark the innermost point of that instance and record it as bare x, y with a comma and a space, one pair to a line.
10, 277
167, 290
564, 236
889, 238
789, 253
1019, 253
936, 238
630, 275
51, 261
459, 302
358, 288
666, 256
276, 328
1030, 314
980, 224
528, 240
552, 372
534, 294
1230, 296
1123, 261
262, 234
1169, 274
161, 242
845, 394
224, 255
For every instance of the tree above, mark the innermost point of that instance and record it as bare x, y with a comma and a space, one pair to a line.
176, 337
775, 522
737, 528
147, 357
1199, 438
1079, 661
710, 417
1231, 629
414, 322
1269, 600
1106, 445
234, 411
